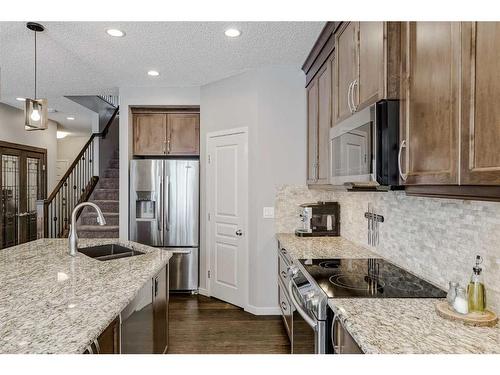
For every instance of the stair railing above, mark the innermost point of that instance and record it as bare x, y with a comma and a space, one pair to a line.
76, 186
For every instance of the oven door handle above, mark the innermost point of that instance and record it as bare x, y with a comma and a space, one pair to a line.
305, 316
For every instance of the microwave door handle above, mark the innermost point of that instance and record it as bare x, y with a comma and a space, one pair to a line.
305, 316
403, 176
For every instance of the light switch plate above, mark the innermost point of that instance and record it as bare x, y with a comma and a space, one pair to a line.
268, 212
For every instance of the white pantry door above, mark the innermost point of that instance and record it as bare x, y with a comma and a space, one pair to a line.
227, 202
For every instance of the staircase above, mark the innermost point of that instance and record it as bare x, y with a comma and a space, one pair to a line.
105, 195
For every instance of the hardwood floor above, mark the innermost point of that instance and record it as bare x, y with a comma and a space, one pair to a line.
199, 324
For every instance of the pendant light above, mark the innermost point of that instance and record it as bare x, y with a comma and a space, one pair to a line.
35, 110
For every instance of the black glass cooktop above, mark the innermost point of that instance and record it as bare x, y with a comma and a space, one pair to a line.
366, 278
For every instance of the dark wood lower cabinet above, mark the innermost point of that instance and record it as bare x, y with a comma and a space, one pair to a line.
108, 342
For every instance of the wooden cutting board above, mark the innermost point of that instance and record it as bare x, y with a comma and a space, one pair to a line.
485, 319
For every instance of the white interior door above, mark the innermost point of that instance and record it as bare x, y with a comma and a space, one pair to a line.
227, 202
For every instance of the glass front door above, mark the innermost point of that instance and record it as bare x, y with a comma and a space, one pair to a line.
22, 183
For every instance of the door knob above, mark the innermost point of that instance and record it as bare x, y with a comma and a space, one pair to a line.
239, 232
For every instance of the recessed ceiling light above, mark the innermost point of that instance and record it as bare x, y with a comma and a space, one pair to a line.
232, 33
60, 135
153, 73
115, 32
70, 118
21, 99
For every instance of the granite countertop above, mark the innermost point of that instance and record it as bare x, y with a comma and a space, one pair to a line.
392, 325
321, 247
51, 302
398, 326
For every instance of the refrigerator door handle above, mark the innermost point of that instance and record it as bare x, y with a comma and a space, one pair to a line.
167, 203
158, 208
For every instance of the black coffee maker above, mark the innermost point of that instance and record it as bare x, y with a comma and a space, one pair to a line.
319, 219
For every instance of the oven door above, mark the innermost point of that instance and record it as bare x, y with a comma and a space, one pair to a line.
308, 333
352, 149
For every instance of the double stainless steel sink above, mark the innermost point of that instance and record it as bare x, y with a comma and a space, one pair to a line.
109, 252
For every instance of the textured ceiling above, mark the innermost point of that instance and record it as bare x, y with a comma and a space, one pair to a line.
79, 58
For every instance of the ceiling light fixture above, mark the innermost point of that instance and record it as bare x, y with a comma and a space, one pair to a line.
153, 73
232, 33
70, 118
21, 99
35, 110
61, 134
115, 32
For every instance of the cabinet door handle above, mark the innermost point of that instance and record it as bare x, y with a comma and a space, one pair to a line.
403, 176
349, 100
354, 105
97, 347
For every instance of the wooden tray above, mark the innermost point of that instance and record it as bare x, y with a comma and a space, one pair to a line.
485, 319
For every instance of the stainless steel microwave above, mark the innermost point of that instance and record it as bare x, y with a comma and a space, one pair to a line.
364, 148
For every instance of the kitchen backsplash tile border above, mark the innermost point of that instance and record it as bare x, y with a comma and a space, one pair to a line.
432, 237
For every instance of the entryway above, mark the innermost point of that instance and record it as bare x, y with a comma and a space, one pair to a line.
22, 182
227, 205
203, 325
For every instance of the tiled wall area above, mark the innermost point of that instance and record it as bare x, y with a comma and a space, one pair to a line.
435, 238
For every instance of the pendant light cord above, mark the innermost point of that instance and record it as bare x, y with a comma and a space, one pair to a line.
35, 65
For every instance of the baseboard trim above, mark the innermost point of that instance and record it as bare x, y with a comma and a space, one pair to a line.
203, 292
263, 310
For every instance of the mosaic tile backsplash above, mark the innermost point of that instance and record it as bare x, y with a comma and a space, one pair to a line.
436, 239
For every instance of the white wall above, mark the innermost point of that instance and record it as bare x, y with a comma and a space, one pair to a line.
271, 103
142, 96
12, 130
69, 147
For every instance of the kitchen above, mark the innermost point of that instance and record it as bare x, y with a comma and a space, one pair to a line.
319, 188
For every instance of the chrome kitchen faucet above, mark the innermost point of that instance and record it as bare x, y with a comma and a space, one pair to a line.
73, 236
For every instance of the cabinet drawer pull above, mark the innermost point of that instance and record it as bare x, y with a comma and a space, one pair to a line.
403, 176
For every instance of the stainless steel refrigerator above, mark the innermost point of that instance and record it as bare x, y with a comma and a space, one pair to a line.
164, 212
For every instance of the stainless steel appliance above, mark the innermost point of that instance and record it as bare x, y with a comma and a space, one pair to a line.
311, 282
144, 322
320, 219
364, 148
309, 331
164, 212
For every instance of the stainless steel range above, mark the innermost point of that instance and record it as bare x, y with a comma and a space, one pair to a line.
311, 282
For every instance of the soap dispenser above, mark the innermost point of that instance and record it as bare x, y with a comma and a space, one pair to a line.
475, 289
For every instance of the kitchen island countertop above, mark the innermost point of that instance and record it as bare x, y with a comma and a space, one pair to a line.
51, 302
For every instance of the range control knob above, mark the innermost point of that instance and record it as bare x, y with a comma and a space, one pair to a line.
293, 270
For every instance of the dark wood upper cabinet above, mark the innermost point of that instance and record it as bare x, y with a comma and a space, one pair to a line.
183, 134
367, 67
370, 87
312, 132
346, 69
150, 134
319, 119
480, 143
430, 102
163, 133
324, 120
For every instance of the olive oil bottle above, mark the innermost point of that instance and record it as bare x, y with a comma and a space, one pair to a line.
475, 289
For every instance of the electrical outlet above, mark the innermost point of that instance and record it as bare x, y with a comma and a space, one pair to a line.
268, 212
